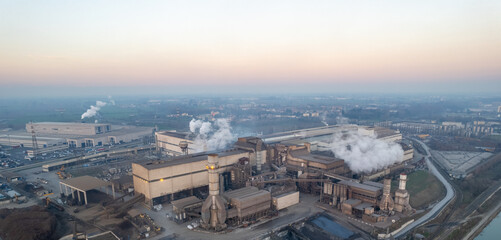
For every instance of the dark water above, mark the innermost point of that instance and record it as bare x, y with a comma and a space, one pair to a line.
492, 231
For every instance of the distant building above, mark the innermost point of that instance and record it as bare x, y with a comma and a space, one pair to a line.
74, 135
168, 142
68, 128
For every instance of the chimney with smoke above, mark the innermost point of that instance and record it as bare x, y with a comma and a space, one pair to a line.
93, 110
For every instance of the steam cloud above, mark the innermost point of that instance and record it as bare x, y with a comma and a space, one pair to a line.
365, 153
110, 99
93, 110
210, 136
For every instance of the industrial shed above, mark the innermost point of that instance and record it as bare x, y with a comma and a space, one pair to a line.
185, 207
10, 176
285, 200
84, 184
247, 203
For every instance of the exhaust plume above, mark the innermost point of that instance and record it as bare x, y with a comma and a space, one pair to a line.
110, 99
365, 153
212, 136
92, 111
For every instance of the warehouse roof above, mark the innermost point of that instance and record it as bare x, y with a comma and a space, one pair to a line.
68, 123
360, 185
85, 183
240, 192
374, 184
352, 202
362, 206
9, 175
188, 159
183, 135
184, 202
305, 155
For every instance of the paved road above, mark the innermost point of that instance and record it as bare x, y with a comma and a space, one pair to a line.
120, 149
439, 206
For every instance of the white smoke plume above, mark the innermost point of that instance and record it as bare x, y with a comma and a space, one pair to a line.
365, 153
211, 136
92, 111
110, 99
323, 119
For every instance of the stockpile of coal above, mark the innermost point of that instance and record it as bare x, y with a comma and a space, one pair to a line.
27, 223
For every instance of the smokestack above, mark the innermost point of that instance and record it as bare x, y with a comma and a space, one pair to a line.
402, 196
213, 174
386, 203
387, 186
214, 208
403, 181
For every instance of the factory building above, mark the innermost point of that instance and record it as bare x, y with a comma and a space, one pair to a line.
385, 134
257, 149
122, 134
301, 157
23, 139
74, 135
68, 128
263, 175
161, 180
169, 143
247, 203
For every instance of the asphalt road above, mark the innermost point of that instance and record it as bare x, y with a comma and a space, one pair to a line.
440, 205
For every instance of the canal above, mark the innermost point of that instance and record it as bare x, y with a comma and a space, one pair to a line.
492, 231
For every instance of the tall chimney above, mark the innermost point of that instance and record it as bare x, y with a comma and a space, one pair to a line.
213, 174
387, 186
213, 208
403, 180
386, 203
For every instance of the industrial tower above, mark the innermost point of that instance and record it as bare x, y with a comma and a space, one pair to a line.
34, 142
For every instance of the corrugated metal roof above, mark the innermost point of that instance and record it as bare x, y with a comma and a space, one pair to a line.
85, 183
360, 185
183, 202
187, 159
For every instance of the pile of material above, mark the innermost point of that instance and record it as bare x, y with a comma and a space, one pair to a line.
26, 223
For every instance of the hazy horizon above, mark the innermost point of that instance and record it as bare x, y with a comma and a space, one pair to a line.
130, 47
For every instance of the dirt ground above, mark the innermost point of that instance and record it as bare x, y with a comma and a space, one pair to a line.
27, 223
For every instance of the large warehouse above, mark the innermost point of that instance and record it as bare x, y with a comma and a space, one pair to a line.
74, 134
160, 181
68, 128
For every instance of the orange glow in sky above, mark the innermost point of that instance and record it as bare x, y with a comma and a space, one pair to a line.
232, 42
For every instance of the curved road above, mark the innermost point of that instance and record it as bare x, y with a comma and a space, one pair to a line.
439, 206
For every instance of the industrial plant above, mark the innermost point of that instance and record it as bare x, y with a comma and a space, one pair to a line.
210, 179
256, 177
